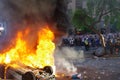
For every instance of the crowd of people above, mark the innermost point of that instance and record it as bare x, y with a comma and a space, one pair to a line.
91, 40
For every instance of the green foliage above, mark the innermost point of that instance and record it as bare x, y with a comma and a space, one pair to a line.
92, 13
80, 19
118, 26
115, 20
118, 23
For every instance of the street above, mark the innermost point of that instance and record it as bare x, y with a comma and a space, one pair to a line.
99, 69
92, 67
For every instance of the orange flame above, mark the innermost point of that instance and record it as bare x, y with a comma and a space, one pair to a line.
20, 54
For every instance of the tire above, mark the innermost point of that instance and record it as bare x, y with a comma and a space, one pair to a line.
48, 69
28, 76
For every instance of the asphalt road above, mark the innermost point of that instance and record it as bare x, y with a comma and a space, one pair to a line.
92, 67
99, 68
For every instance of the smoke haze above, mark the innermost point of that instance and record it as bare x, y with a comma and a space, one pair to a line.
64, 58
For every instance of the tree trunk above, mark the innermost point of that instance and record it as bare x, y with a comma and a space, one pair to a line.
102, 39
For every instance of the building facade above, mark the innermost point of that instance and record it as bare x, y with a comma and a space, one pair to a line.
76, 4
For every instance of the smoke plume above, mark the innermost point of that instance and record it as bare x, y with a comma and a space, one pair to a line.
64, 58
33, 14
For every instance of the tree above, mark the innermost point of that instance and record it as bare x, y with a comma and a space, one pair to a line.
96, 11
79, 18
117, 21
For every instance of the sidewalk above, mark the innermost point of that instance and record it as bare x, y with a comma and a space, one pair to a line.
82, 53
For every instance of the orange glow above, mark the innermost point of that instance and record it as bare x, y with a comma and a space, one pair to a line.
20, 55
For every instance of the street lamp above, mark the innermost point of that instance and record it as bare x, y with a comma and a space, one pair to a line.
1, 28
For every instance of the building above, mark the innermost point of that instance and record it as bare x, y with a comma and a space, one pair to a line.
76, 4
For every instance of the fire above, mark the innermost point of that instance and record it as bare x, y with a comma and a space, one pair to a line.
39, 57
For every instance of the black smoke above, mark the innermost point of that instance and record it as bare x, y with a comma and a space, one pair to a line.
20, 14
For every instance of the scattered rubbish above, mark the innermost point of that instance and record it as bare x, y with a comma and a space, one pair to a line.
77, 76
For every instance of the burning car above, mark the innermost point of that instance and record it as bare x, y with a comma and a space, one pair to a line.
39, 74
20, 56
